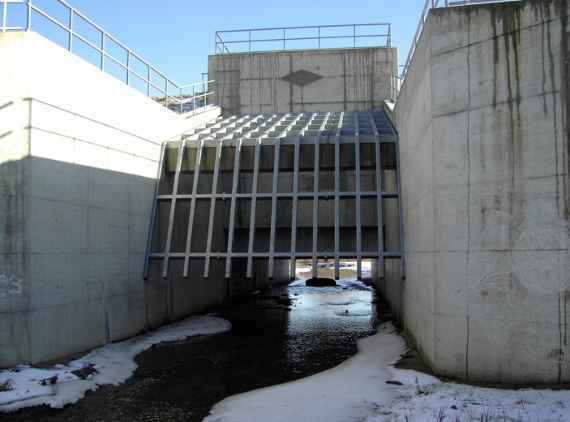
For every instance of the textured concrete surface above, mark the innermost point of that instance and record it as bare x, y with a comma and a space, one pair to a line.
355, 79
79, 154
483, 126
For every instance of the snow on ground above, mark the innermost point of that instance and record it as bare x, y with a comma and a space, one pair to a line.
357, 390
114, 363
350, 391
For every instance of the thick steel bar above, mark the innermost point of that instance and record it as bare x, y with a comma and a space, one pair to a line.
233, 211
316, 208
253, 211
280, 255
379, 198
400, 209
358, 199
153, 212
293, 270
173, 207
337, 197
316, 189
276, 157
211, 221
192, 213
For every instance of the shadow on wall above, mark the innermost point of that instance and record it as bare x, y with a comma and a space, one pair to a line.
71, 259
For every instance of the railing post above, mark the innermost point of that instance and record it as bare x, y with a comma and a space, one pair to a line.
148, 80
354, 34
4, 15
284, 37
250, 41
166, 92
319, 37
128, 67
29, 17
102, 50
70, 43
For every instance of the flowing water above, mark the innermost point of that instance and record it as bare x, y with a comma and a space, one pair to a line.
277, 336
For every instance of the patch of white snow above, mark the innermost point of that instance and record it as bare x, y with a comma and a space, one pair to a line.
113, 364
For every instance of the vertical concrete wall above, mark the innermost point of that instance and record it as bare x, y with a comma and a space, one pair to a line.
79, 154
355, 79
483, 124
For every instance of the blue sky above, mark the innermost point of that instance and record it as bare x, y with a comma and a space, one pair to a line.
178, 35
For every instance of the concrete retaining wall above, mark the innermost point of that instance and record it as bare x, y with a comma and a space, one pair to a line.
78, 162
355, 79
483, 126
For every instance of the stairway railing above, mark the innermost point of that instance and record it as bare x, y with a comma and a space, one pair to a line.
157, 85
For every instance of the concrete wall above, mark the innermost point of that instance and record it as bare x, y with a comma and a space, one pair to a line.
353, 79
483, 123
78, 162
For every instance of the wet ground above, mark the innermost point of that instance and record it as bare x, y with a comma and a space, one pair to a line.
271, 342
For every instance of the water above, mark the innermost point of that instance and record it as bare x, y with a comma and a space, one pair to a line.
270, 343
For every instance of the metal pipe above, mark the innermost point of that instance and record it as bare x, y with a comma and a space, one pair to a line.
4, 15
70, 42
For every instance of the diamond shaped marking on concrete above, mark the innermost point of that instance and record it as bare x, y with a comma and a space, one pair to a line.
301, 77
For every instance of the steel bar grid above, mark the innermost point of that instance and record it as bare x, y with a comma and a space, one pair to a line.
291, 130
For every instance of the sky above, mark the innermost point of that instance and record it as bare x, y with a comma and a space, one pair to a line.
176, 36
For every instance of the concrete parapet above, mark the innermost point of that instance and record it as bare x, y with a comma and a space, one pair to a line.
349, 79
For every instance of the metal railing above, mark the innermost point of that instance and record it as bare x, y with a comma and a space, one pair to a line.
158, 86
280, 37
434, 4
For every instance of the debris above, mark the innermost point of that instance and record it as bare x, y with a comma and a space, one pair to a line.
6, 386
49, 381
394, 382
85, 372
320, 282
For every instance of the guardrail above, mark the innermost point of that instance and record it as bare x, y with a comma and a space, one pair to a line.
279, 37
177, 97
434, 4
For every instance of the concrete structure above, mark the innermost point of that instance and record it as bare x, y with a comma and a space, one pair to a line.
79, 154
348, 79
483, 124
266, 190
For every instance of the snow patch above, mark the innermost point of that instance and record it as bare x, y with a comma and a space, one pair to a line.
350, 391
368, 388
113, 364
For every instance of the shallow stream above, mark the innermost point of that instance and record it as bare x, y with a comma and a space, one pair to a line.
277, 336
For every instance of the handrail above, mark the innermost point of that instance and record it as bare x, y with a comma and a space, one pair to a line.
171, 94
222, 45
434, 4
